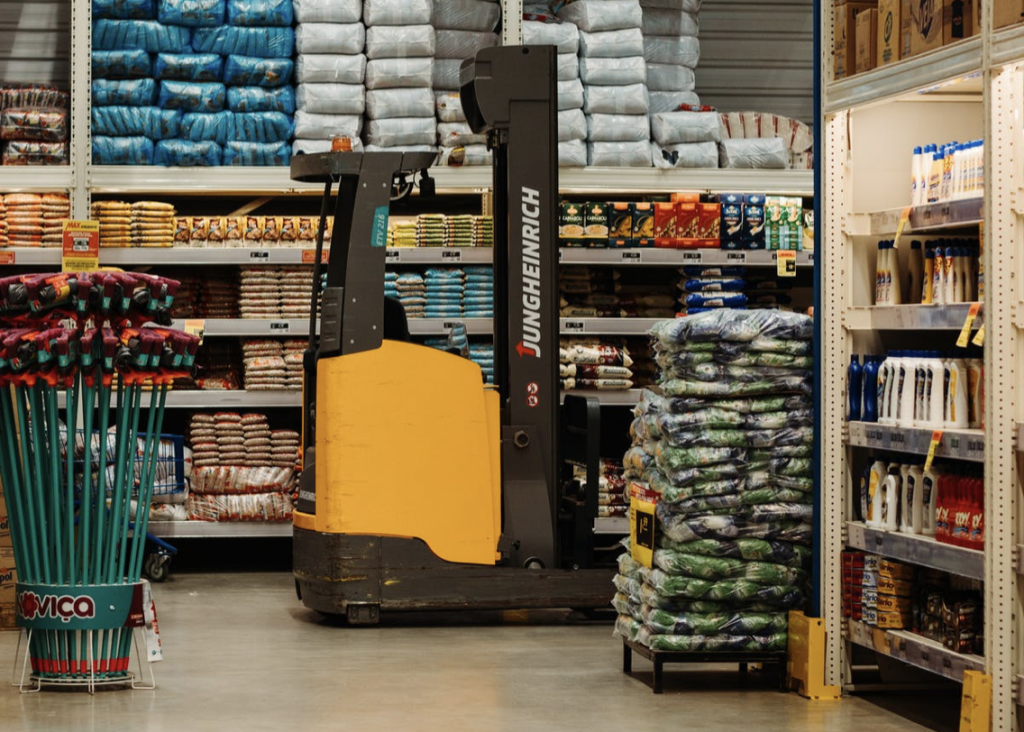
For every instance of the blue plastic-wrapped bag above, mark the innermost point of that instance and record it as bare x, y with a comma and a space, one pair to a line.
253, 71
256, 99
262, 127
188, 66
122, 150
124, 9
124, 93
128, 64
147, 35
216, 127
229, 39
185, 153
260, 12
151, 122
257, 153
191, 13
192, 96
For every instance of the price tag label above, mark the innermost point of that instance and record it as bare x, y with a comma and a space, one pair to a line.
641, 523
632, 257
574, 326
309, 256
7, 257
449, 325
81, 246
810, 258
979, 337
259, 256
785, 263
561, 251
904, 220
451, 256
965, 333
393, 256
932, 447
736, 258
196, 328
693, 257
280, 326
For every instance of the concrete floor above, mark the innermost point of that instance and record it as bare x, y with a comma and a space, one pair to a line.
242, 653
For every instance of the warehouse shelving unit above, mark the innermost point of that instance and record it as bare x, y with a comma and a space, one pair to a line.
972, 88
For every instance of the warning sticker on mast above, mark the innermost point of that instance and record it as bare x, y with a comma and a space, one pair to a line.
529, 345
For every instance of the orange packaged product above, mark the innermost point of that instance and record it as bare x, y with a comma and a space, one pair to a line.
709, 217
685, 198
665, 227
254, 228
233, 226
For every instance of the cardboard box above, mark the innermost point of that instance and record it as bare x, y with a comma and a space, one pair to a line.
893, 604
957, 20
845, 46
643, 224
895, 570
5, 523
709, 218
753, 221
906, 30
731, 223
925, 26
665, 231
888, 35
1004, 13
892, 621
900, 588
685, 198
620, 221
8, 576
596, 217
867, 40
571, 229
687, 220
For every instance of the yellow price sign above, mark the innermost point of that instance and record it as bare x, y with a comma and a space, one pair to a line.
196, 328
932, 447
80, 246
979, 337
965, 332
786, 263
642, 501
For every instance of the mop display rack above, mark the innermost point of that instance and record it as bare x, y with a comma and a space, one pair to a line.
96, 337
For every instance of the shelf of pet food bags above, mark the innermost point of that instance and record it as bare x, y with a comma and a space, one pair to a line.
954, 444
911, 317
915, 650
144, 179
916, 549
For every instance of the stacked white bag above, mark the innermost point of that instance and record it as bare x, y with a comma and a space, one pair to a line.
542, 29
329, 68
400, 48
672, 52
462, 27
614, 75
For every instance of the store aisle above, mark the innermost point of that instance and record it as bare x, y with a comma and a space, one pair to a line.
242, 653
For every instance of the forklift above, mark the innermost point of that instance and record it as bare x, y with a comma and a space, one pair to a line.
424, 488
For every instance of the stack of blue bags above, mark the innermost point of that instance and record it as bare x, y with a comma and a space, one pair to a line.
192, 82
391, 285
412, 293
482, 354
479, 293
444, 292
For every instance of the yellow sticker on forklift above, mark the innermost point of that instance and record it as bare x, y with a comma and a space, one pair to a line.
642, 501
965, 333
979, 337
932, 447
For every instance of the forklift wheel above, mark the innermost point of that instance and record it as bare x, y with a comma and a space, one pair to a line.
157, 567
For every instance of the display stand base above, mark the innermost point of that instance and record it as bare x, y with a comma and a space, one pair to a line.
660, 658
29, 683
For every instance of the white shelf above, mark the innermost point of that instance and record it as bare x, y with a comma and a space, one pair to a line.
917, 549
246, 328
611, 525
222, 529
33, 256
606, 326
910, 317
903, 77
621, 397
146, 179
956, 444
238, 399
923, 219
15, 178
441, 326
676, 257
914, 649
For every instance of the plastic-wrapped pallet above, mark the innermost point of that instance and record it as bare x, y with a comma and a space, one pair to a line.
725, 448
795, 135
614, 75
672, 52
330, 70
461, 27
542, 28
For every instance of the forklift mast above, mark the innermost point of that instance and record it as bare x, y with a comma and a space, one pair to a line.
510, 93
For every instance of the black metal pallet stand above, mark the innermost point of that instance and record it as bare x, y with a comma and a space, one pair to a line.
660, 658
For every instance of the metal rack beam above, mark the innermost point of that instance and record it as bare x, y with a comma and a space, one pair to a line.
916, 549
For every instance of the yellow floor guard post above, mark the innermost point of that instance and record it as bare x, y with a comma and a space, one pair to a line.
806, 661
976, 702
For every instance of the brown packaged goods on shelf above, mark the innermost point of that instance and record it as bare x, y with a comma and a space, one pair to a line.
845, 48
925, 25
958, 20
867, 40
33, 220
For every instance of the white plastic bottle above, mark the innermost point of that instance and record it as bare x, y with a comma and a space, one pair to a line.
887, 414
890, 500
929, 498
957, 415
934, 173
907, 386
915, 499
876, 478
906, 496
883, 387
935, 392
921, 391
880, 274
915, 177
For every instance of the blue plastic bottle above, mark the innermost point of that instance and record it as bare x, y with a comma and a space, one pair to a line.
854, 388
870, 378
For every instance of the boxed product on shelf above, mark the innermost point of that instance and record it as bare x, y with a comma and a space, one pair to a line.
925, 25
867, 40
888, 32
844, 33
